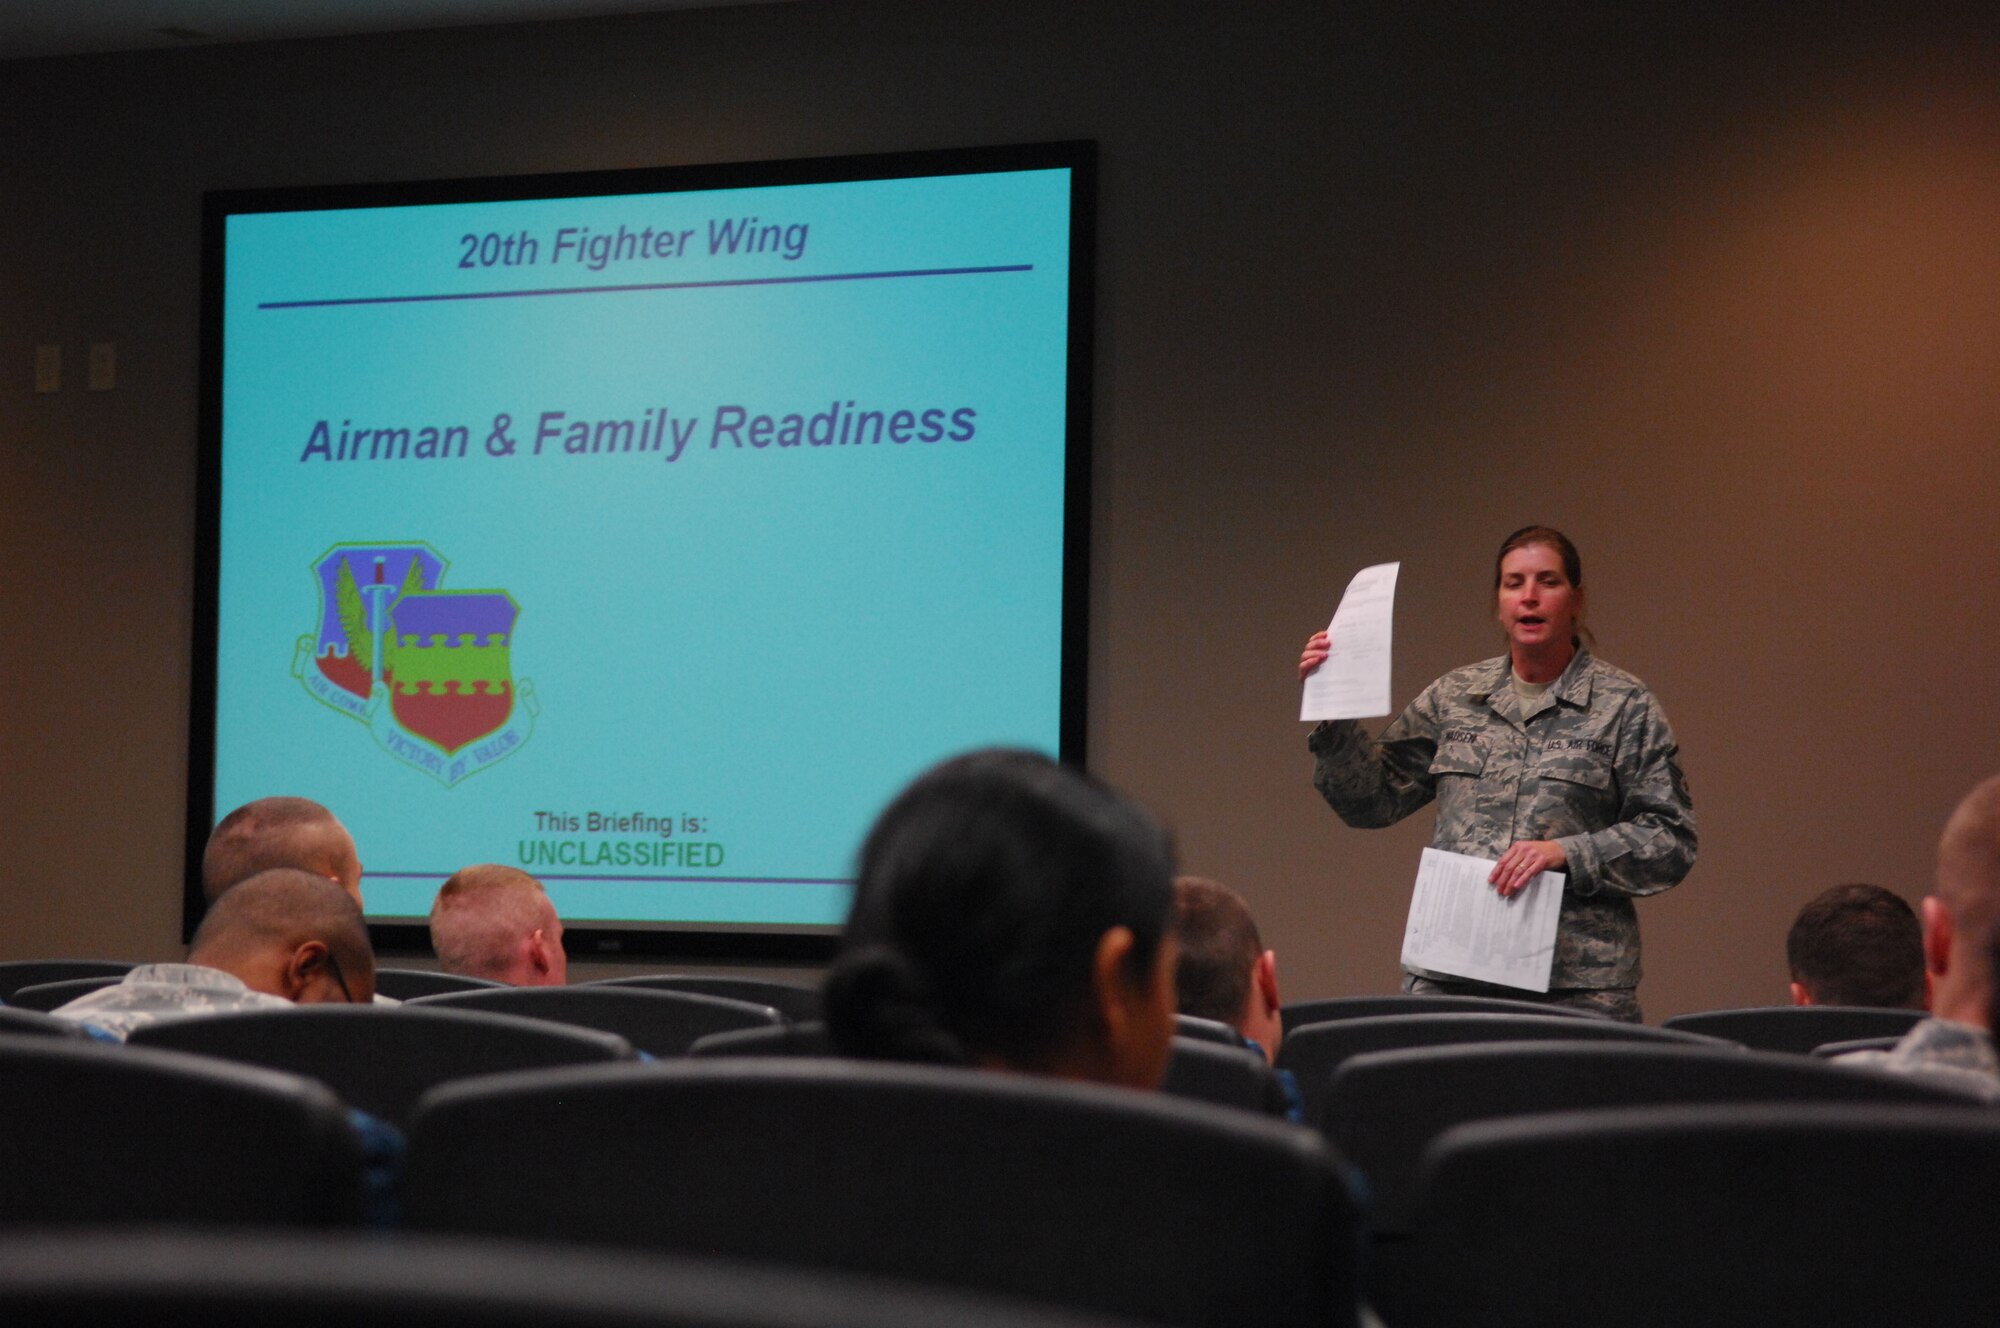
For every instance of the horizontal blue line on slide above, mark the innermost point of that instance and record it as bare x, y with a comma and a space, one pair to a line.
694, 880
650, 286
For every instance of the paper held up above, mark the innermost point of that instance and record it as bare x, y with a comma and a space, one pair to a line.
1353, 682
1460, 926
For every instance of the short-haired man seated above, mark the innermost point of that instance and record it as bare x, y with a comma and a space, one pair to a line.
1955, 1045
496, 922
1858, 945
279, 832
1225, 973
281, 938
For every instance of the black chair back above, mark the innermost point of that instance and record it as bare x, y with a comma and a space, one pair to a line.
795, 1002
1071, 1194
1797, 1028
1224, 1076
18, 973
807, 1039
1384, 1108
662, 1023
339, 1280
94, 1134
1716, 1215
1315, 1051
46, 996
406, 984
1208, 1030
382, 1060
1198, 1071
34, 1022
1300, 1013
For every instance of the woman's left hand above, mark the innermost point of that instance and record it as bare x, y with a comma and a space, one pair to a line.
1523, 862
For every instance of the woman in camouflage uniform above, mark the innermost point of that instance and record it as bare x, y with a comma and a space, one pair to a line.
1544, 759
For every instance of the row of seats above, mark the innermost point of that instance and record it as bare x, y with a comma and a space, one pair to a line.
1004, 1184
659, 1016
1135, 1204
1797, 1028
1771, 1028
45, 984
1400, 1114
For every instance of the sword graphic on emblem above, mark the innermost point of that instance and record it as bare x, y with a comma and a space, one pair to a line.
377, 596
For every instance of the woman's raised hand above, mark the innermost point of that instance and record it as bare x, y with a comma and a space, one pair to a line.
1316, 651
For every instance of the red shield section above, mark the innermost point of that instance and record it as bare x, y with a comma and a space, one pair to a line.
452, 718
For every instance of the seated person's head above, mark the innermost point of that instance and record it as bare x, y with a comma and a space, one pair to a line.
1012, 913
279, 832
289, 933
496, 922
1963, 912
1858, 945
1225, 973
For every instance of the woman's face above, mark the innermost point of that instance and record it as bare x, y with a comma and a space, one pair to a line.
1538, 607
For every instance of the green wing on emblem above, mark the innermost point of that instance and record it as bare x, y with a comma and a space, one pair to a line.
354, 619
414, 579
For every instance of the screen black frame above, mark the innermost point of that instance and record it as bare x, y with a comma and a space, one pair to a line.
637, 939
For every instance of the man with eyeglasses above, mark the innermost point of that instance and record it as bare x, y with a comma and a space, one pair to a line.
283, 937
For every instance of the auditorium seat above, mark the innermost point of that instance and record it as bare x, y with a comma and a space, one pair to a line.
382, 1059
795, 1002
341, 1280
1300, 1013
99, 1134
405, 984
46, 996
18, 973
1385, 1107
1074, 1194
661, 1023
1315, 1051
1662, 1217
1797, 1028
1198, 1070
1208, 1030
35, 1023
1237, 1077
807, 1039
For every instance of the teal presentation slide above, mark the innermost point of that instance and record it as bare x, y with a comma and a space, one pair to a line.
646, 542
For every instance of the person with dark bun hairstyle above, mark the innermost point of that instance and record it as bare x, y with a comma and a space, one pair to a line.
1010, 913
1543, 759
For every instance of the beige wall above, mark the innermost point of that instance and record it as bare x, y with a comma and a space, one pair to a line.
1717, 295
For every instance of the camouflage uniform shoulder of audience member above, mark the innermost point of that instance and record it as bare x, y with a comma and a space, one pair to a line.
1941, 1051
1591, 764
151, 993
